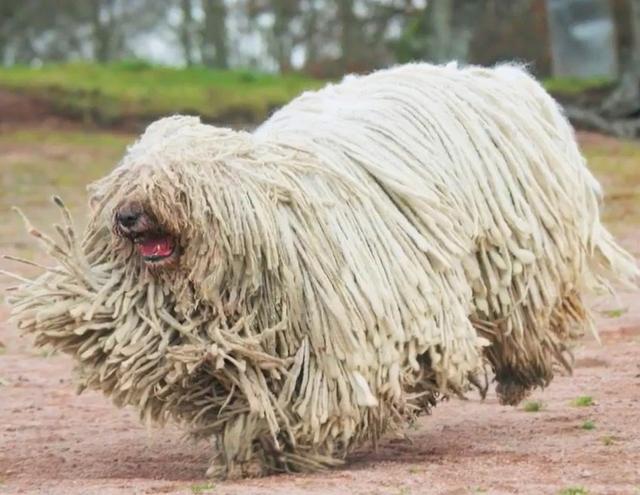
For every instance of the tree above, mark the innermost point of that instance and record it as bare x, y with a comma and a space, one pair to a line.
348, 32
440, 30
434, 33
41, 30
214, 34
186, 31
283, 39
582, 38
311, 28
619, 114
625, 101
116, 24
9, 11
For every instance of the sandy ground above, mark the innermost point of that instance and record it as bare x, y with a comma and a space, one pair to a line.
54, 442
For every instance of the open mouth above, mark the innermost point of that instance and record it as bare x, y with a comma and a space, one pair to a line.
155, 247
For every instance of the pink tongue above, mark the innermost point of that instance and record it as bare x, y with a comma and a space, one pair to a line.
161, 247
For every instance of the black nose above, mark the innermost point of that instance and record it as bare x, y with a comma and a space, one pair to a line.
128, 216
127, 220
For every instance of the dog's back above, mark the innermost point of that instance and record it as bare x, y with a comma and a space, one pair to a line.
483, 162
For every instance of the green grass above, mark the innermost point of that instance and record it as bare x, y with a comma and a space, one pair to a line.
588, 425
533, 406
614, 313
573, 490
583, 401
204, 487
571, 86
110, 93
608, 440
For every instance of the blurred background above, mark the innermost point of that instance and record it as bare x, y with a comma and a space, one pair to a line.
125, 62
79, 80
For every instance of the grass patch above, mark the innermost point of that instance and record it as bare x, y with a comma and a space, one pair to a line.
573, 490
571, 86
608, 440
3, 349
588, 425
614, 313
533, 406
204, 487
110, 93
583, 401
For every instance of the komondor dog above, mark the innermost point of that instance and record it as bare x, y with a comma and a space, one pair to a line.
373, 247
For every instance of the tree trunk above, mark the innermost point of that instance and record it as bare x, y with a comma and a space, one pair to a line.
3, 49
624, 102
582, 38
635, 29
281, 41
619, 114
348, 31
101, 19
186, 30
311, 28
594, 121
440, 14
214, 49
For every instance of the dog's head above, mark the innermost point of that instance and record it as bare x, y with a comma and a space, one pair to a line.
192, 206
150, 201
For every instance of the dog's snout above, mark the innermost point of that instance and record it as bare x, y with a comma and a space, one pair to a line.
127, 219
128, 216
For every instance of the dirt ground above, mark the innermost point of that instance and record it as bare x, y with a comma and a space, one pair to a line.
55, 442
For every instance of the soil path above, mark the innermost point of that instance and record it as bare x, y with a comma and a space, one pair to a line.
52, 441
